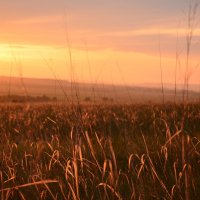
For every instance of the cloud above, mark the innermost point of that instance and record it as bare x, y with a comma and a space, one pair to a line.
118, 25
19, 10
93, 14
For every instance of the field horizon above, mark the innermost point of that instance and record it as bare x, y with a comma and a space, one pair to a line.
60, 89
63, 140
99, 100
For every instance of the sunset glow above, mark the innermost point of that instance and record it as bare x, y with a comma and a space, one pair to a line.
121, 42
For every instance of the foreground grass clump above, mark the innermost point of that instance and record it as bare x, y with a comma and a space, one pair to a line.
99, 152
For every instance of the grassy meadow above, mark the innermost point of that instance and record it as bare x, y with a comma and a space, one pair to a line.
77, 138
99, 151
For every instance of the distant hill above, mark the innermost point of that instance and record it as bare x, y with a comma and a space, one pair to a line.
60, 90
192, 87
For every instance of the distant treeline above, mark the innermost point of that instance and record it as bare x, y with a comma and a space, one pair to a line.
22, 99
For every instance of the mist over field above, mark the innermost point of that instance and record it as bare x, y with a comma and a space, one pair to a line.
59, 89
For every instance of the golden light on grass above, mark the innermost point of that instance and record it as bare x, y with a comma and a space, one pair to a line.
111, 141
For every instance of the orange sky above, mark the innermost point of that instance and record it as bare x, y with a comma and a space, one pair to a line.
108, 42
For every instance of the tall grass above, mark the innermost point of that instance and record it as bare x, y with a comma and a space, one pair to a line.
161, 72
102, 151
122, 152
191, 23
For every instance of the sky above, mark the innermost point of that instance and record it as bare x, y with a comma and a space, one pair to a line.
118, 41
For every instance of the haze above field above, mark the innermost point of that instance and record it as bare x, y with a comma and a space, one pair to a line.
115, 42
87, 92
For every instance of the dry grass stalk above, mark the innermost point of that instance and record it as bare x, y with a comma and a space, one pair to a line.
111, 189
30, 184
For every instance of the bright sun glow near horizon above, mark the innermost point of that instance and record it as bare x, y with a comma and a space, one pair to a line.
121, 42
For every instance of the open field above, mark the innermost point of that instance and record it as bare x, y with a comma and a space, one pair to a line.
139, 151
99, 100
100, 93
